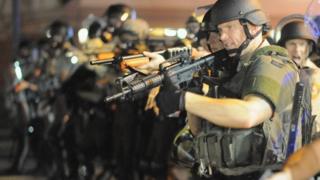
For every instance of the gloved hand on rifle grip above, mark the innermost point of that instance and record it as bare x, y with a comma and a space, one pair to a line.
170, 98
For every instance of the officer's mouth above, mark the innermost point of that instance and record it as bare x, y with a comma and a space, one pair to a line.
296, 58
228, 46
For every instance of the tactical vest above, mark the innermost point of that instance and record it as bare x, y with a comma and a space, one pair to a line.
236, 151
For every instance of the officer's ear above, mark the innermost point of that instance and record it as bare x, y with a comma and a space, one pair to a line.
253, 29
311, 47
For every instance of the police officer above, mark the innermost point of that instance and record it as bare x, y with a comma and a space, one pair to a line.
239, 129
208, 37
193, 28
183, 151
133, 35
94, 34
116, 15
297, 38
24, 66
129, 116
64, 61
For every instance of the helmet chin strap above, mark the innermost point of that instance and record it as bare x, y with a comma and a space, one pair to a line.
237, 51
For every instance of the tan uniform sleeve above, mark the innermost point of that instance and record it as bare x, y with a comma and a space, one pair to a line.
266, 77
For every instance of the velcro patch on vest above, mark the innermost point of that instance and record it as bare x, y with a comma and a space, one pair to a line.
277, 64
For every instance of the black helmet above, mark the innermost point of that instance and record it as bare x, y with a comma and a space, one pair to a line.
206, 24
95, 29
296, 30
25, 47
136, 27
59, 32
228, 10
117, 14
192, 19
246, 11
58, 28
118, 10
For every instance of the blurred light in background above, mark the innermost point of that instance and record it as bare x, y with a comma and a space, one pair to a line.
30, 129
48, 35
74, 60
158, 32
83, 35
170, 32
182, 33
17, 70
124, 16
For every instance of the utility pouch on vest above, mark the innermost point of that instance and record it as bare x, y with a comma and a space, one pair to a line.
208, 149
242, 147
229, 148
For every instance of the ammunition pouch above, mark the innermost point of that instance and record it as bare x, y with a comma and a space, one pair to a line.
221, 148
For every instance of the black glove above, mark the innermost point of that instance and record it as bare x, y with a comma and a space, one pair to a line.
195, 86
170, 100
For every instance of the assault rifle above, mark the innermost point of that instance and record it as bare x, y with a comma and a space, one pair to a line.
137, 60
180, 70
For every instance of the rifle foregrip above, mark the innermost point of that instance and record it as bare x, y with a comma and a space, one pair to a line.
146, 83
134, 62
136, 87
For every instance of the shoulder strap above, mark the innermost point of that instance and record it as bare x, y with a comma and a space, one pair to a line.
271, 51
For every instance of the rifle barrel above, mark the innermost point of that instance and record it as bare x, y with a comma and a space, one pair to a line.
103, 61
167, 53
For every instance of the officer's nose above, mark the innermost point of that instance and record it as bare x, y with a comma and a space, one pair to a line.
222, 36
